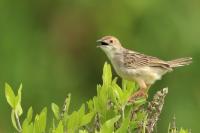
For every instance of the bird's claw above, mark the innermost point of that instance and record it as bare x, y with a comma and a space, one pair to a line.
137, 95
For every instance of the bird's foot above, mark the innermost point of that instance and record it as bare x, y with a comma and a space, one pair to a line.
138, 95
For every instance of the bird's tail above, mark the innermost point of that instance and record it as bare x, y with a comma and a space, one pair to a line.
180, 62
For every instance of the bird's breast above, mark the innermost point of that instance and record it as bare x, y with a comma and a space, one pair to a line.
122, 71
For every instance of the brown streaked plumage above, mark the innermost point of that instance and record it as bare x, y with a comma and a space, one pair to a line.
134, 66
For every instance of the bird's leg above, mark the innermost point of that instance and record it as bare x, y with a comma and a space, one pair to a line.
141, 93
148, 86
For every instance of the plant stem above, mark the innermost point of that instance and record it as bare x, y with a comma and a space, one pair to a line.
122, 109
18, 122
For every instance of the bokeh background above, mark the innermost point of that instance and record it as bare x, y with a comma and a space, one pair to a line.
50, 46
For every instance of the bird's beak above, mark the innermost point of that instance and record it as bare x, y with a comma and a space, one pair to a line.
102, 43
99, 41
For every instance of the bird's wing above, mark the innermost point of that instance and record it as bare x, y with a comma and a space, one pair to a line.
136, 60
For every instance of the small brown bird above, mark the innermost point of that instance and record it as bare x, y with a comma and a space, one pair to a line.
134, 66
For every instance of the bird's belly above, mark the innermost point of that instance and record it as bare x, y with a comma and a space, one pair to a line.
147, 74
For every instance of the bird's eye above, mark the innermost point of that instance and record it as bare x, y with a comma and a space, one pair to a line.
111, 41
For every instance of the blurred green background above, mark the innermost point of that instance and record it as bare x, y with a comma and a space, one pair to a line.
50, 46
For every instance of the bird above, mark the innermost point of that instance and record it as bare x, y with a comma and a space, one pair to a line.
135, 66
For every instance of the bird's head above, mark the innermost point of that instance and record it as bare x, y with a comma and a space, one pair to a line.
109, 44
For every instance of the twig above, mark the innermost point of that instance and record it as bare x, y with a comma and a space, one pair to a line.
154, 109
63, 110
173, 128
97, 122
174, 123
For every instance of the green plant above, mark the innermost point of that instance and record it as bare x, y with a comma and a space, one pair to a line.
107, 112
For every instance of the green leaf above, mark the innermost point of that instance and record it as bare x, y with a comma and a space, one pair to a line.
183, 131
108, 126
36, 127
40, 122
59, 129
107, 74
90, 105
28, 128
18, 107
29, 114
73, 122
18, 101
83, 131
74, 119
117, 91
81, 111
13, 120
133, 126
87, 118
56, 110
128, 85
10, 96
27, 120
53, 124
99, 105
124, 126
98, 89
